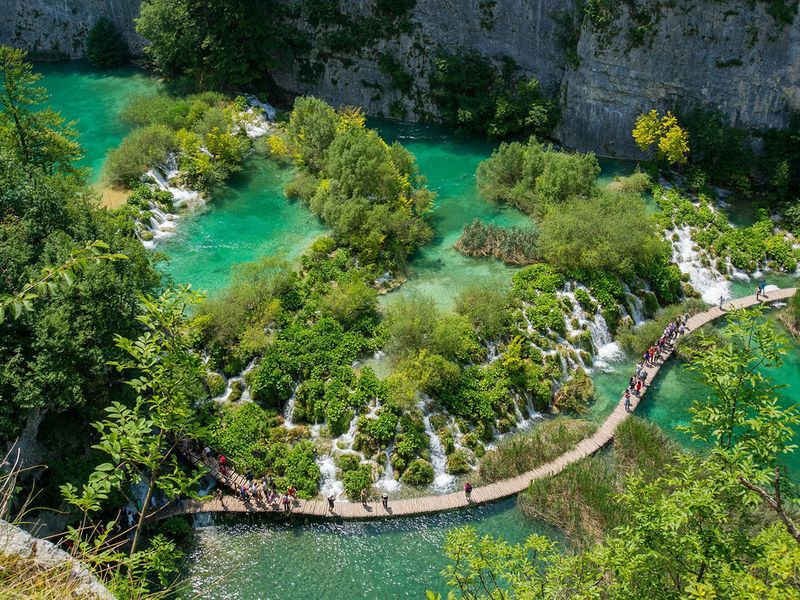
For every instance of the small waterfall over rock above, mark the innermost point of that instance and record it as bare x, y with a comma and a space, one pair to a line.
606, 350
239, 381
289, 410
442, 480
709, 282
388, 483
331, 484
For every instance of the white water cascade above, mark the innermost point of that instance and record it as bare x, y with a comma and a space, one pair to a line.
240, 380
331, 484
709, 282
606, 350
289, 410
442, 480
388, 483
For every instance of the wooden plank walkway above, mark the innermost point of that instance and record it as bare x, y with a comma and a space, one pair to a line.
454, 500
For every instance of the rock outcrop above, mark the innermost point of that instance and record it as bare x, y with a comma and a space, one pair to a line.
74, 578
729, 55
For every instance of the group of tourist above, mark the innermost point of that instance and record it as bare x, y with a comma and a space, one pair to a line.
652, 357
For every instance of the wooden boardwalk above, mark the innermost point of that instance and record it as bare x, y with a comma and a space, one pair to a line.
454, 500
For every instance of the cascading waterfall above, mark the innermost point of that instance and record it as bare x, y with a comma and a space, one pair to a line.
442, 480
388, 483
256, 122
289, 410
709, 282
606, 350
240, 379
331, 484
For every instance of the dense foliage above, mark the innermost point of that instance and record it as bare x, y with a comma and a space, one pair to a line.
210, 44
369, 193
533, 176
105, 46
56, 357
472, 92
206, 131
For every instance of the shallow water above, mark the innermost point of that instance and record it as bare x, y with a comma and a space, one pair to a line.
398, 558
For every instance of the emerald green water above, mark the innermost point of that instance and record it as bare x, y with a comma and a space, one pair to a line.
399, 558
94, 99
247, 219
676, 388
250, 218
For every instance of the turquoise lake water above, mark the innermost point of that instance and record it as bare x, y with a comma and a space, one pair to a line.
250, 218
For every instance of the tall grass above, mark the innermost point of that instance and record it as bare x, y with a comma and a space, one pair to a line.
581, 500
522, 452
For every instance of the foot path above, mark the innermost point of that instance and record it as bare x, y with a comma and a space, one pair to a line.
454, 500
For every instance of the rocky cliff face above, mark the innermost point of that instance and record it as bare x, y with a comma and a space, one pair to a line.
58, 29
729, 55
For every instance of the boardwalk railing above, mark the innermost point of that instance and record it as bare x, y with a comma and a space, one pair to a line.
455, 500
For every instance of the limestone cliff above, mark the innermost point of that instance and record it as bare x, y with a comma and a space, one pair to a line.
732, 55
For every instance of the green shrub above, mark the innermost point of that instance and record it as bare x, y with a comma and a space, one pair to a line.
356, 480
575, 394
418, 473
242, 435
139, 150
105, 46
216, 384
177, 529
458, 462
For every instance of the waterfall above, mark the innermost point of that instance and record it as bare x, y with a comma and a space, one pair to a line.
331, 485
203, 519
705, 279
606, 350
442, 480
240, 378
388, 483
289, 411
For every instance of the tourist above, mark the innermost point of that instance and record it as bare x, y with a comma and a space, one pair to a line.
646, 357
287, 506
330, 502
243, 494
643, 376
631, 382
249, 477
385, 500
685, 318
206, 452
762, 286
292, 492
639, 389
627, 401
364, 496
218, 493
468, 490
758, 293
721, 302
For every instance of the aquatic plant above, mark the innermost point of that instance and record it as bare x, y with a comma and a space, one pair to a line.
512, 245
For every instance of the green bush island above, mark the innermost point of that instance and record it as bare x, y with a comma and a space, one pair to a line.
419, 473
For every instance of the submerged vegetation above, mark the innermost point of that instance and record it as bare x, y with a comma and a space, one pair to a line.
512, 245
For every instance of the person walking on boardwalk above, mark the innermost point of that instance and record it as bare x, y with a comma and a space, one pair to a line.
762, 286
627, 401
287, 505
330, 502
468, 490
364, 496
639, 388
292, 491
758, 293
721, 302
385, 501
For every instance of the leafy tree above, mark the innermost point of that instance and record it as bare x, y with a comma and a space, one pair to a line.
225, 44
669, 138
609, 232
533, 176
743, 416
105, 46
312, 127
38, 136
141, 440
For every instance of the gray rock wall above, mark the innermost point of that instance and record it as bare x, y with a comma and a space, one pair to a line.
727, 56
57, 29
730, 55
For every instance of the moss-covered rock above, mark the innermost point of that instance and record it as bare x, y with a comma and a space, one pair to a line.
418, 473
